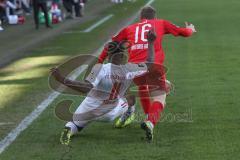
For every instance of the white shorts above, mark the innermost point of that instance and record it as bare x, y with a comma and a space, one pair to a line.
95, 110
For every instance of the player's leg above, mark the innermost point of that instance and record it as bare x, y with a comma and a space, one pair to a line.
155, 111
45, 11
145, 98
73, 127
159, 101
143, 91
157, 107
127, 117
84, 114
35, 13
116, 112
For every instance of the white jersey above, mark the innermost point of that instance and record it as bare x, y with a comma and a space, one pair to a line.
112, 81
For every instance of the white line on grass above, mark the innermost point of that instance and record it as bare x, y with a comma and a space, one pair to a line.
40, 108
149, 3
98, 23
27, 121
6, 123
95, 25
32, 116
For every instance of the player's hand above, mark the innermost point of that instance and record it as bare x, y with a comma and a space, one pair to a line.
57, 75
190, 26
151, 36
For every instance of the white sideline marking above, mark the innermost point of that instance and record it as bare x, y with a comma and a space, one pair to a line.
149, 3
26, 122
34, 115
40, 108
95, 25
6, 123
98, 23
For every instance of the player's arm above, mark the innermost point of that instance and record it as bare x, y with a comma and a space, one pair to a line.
121, 36
140, 76
138, 70
103, 55
151, 51
179, 31
83, 87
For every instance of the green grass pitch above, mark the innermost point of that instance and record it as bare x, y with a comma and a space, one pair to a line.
201, 121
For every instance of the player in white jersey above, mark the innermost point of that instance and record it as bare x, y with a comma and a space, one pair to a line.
106, 86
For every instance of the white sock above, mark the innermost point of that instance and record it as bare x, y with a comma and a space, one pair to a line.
1, 29
132, 108
151, 124
74, 129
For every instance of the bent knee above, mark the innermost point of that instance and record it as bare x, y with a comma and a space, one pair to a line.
160, 98
131, 99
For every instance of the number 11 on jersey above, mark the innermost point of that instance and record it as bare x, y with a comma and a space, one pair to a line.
115, 91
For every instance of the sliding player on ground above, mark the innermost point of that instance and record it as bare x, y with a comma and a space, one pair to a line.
106, 86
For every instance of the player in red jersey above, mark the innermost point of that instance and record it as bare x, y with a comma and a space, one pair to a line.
135, 34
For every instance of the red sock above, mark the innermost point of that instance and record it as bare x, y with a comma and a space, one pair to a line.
144, 99
155, 112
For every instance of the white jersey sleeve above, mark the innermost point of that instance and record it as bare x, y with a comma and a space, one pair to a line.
95, 75
135, 70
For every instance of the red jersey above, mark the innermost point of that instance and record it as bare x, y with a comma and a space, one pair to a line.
136, 35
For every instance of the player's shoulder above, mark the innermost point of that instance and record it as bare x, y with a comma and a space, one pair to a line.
98, 67
164, 21
153, 20
129, 64
102, 69
131, 26
134, 66
102, 65
161, 21
106, 67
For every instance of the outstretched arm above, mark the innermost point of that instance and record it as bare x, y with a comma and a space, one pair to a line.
179, 31
83, 87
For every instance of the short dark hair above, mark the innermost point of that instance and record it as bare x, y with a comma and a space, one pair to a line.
148, 13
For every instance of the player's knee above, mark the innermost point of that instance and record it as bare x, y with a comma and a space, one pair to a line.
160, 98
131, 99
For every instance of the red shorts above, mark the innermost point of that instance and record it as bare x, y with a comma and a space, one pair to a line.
154, 79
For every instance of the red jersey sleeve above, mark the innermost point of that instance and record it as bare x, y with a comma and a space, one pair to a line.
122, 35
170, 28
